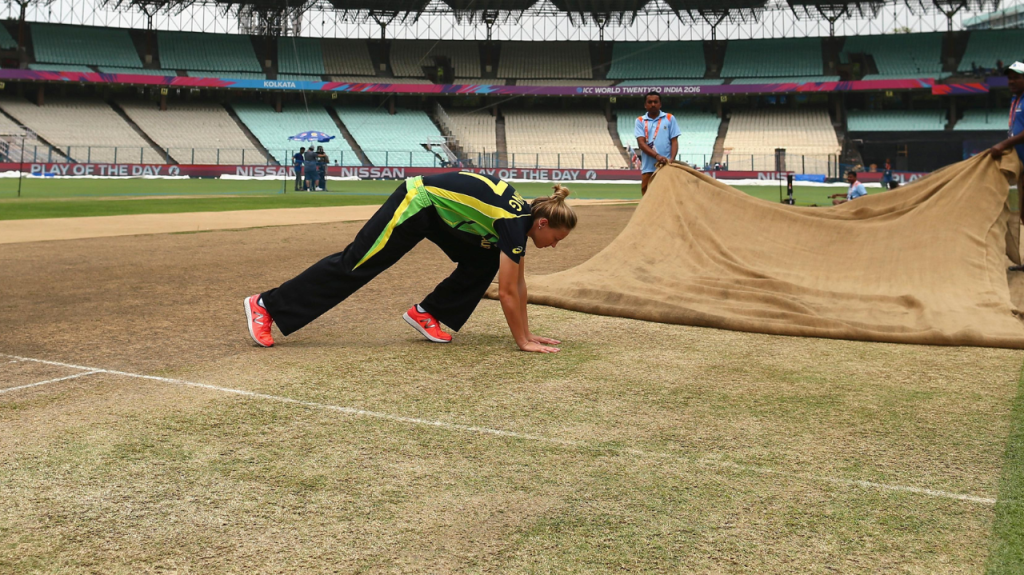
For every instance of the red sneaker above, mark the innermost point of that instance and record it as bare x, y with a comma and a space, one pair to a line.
426, 325
259, 321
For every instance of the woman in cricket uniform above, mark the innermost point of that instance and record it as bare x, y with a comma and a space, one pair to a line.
479, 221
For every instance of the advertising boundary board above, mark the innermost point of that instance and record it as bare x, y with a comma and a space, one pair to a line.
375, 173
189, 82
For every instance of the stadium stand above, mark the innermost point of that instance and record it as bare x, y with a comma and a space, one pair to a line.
225, 74
273, 129
674, 82
90, 129
353, 79
87, 45
7, 42
912, 76
196, 51
566, 138
534, 60
481, 81
637, 60
777, 57
300, 77
138, 71
564, 82
786, 80
476, 131
392, 140
60, 68
300, 56
985, 48
896, 121
807, 135
347, 57
899, 55
699, 130
408, 57
984, 120
194, 132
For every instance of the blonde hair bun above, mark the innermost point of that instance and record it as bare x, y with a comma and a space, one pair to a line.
561, 192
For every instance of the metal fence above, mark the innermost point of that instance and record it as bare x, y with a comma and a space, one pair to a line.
29, 152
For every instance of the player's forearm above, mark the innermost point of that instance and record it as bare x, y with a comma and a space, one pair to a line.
522, 308
515, 316
1013, 141
648, 150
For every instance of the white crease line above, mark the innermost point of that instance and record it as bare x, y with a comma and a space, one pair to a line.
10, 389
512, 434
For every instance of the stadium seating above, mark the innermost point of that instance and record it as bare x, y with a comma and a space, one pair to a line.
300, 77
545, 60
636, 60
786, 80
988, 120
899, 55
7, 42
60, 68
986, 47
476, 131
909, 76
481, 81
87, 45
91, 129
698, 132
354, 79
674, 82
196, 51
194, 132
392, 140
408, 57
560, 138
776, 57
225, 74
562, 82
896, 120
273, 129
347, 57
807, 135
300, 56
138, 71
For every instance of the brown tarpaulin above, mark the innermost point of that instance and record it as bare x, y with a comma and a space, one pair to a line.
922, 264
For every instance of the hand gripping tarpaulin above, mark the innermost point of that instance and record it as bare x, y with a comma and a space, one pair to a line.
925, 263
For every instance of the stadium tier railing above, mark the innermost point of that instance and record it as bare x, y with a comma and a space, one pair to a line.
827, 165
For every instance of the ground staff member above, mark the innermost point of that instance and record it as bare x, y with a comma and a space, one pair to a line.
856, 190
297, 165
309, 169
480, 222
657, 135
1015, 79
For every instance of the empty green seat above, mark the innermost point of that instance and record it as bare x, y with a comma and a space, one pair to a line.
60, 68
896, 120
984, 120
899, 55
198, 51
300, 56
787, 80
634, 60
987, 47
775, 57
87, 45
393, 140
273, 129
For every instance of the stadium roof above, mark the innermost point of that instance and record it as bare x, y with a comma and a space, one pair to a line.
599, 6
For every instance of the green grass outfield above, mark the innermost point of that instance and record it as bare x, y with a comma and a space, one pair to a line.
65, 198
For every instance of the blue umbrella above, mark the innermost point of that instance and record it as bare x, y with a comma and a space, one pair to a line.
311, 136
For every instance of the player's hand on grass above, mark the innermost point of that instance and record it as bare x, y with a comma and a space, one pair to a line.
537, 347
543, 340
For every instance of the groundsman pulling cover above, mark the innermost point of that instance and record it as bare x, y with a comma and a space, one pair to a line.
923, 264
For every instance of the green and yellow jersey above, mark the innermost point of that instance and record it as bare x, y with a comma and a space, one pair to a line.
475, 207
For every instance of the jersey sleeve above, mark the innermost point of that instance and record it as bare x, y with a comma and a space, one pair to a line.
674, 131
511, 237
638, 128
